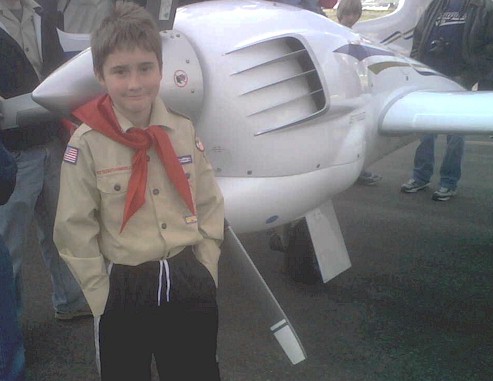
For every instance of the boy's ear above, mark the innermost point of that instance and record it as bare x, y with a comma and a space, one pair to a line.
100, 78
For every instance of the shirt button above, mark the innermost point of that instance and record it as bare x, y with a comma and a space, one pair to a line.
155, 192
27, 49
187, 175
117, 187
148, 158
164, 226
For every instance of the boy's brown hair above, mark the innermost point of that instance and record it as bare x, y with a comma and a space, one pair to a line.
349, 7
128, 26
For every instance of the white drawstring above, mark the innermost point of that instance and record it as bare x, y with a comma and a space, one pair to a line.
160, 282
166, 268
168, 283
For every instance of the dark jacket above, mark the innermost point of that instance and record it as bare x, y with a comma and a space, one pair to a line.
477, 40
17, 75
8, 171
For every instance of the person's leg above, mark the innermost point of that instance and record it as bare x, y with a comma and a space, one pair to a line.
125, 346
185, 347
424, 159
126, 331
450, 170
67, 296
16, 215
12, 361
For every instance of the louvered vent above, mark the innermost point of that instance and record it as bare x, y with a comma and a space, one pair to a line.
278, 84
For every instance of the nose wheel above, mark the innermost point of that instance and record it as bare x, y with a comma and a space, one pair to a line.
300, 260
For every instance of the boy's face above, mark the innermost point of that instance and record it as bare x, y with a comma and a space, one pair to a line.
132, 79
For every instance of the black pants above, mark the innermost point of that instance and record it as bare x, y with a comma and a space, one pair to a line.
181, 333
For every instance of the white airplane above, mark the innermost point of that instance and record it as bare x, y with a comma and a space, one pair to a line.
291, 107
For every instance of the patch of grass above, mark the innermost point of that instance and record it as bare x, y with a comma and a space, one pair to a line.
366, 15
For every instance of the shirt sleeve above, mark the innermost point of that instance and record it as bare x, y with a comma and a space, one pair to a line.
210, 212
77, 227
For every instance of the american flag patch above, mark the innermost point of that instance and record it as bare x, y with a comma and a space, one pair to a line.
71, 155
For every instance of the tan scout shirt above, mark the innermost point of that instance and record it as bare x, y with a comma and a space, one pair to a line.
92, 199
24, 31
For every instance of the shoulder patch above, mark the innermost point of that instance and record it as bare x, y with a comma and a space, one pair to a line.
71, 155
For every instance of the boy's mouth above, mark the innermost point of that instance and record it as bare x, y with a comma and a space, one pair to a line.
136, 96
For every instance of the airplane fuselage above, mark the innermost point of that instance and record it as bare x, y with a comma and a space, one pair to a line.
289, 114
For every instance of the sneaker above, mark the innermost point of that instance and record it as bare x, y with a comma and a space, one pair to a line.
412, 186
368, 178
443, 194
79, 314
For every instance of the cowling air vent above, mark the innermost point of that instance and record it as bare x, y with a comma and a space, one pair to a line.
278, 84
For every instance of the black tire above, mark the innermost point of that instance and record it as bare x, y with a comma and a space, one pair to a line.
300, 259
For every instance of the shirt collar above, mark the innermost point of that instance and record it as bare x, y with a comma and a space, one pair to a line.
26, 4
159, 116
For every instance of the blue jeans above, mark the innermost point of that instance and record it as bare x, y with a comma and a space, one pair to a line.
12, 361
35, 198
424, 161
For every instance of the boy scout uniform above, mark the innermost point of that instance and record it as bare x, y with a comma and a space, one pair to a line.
94, 181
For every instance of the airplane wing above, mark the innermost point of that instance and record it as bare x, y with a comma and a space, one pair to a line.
278, 321
22, 111
461, 112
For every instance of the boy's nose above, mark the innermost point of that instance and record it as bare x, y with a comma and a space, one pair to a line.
134, 81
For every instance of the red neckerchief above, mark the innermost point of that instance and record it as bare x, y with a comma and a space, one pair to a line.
100, 116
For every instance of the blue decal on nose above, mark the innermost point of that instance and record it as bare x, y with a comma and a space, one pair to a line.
271, 219
360, 52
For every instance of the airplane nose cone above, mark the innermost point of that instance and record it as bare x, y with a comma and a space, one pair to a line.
70, 86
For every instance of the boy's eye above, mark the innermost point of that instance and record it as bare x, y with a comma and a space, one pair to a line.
119, 71
146, 68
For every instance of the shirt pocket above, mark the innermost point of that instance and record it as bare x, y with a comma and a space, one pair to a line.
114, 183
113, 190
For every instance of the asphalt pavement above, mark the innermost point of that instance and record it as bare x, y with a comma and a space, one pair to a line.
416, 305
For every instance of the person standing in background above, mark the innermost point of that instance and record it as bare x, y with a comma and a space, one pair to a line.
82, 16
30, 51
348, 13
454, 37
12, 359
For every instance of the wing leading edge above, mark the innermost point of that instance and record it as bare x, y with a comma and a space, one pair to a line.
461, 112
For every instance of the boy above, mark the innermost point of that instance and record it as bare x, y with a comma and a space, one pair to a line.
349, 12
140, 217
